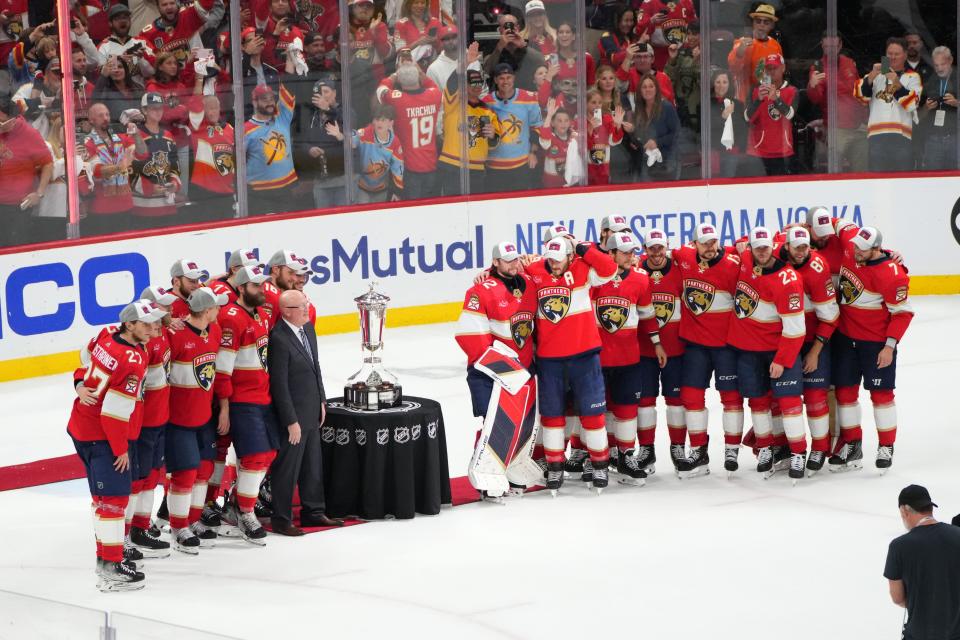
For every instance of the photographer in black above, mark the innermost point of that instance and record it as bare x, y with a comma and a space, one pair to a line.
512, 49
318, 147
938, 114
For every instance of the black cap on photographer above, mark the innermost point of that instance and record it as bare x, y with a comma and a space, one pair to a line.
916, 497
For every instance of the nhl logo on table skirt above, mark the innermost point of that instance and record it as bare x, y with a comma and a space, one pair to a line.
205, 369
612, 313
343, 436
554, 303
383, 436
415, 431
361, 436
401, 434
698, 296
327, 434
850, 286
521, 328
745, 302
432, 429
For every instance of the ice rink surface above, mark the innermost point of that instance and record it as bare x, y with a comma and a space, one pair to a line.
700, 558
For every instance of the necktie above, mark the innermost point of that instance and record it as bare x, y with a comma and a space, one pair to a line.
303, 339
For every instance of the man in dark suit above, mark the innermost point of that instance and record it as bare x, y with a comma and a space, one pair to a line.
300, 403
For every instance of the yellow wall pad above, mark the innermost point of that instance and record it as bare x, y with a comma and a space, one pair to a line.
934, 285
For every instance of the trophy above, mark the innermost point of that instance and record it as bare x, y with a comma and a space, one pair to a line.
372, 388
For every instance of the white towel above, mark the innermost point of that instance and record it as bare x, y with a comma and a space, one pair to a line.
726, 138
653, 156
573, 172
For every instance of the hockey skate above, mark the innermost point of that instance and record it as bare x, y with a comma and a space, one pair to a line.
251, 529
586, 475
884, 458
765, 462
185, 541
781, 457
646, 457
132, 555
163, 516
554, 477
730, 454
678, 455
516, 490
797, 463
600, 477
212, 517
119, 576
574, 463
149, 545
815, 462
614, 456
485, 496
847, 458
206, 535
699, 463
631, 473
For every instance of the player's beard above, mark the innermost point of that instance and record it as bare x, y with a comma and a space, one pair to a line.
253, 300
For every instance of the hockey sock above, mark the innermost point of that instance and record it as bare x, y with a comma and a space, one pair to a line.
178, 498
676, 421
885, 415
132, 501
776, 418
848, 413
791, 408
250, 473
611, 425
144, 509
732, 403
594, 437
624, 418
553, 442
695, 412
94, 505
216, 479
818, 419
762, 423
110, 526
199, 494
575, 441
647, 421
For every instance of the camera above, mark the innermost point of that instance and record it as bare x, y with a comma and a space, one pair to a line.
484, 121
510, 27
432, 32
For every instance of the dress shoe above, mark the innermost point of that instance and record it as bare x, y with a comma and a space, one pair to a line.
285, 528
320, 521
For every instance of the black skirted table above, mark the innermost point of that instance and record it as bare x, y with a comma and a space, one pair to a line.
391, 462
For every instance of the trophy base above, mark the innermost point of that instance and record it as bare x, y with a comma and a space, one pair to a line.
362, 397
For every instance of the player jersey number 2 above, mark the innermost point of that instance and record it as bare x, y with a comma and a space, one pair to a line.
421, 131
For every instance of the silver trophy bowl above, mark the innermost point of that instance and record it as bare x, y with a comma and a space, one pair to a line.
372, 388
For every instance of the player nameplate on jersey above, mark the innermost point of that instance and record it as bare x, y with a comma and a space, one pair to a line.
663, 307
612, 312
204, 369
698, 296
262, 350
554, 303
521, 328
745, 302
850, 286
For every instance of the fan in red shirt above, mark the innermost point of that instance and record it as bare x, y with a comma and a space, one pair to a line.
637, 63
185, 278
212, 180
874, 315
111, 156
417, 30
770, 114
664, 23
16, 18
26, 166
276, 20
172, 32
417, 107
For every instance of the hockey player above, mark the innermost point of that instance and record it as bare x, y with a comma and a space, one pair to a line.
768, 330
709, 282
285, 266
150, 445
186, 277
610, 225
822, 316
226, 284
100, 424
829, 236
662, 376
567, 351
874, 314
242, 388
190, 435
624, 309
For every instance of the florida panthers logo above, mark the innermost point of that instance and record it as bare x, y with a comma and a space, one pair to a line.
612, 313
158, 167
554, 303
698, 296
223, 161
772, 112
262, 350
598, 155
850, 286
663, 308
205, 369
745, 302
521, 328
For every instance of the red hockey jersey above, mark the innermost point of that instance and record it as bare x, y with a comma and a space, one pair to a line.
666, 286
159, 37
179, 308
565, 324
493, 311
193, 369
771, 132
819, 296
116, 375
416, 125
214, 167
670, 26
272, 305
874, 299
708, 289
242, 360
768, 310
220, 285
156, 397
623, 308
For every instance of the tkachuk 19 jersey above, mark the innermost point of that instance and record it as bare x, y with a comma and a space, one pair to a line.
156, 397
819, 295
666, 286
768, 310
623, 307
115, 374
193, 370
565, 324
242, 359
874, 299
416, 125
708, 288
498, 310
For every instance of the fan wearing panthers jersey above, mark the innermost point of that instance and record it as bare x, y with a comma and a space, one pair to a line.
822, 316
659, 377
567, 351
174, 30
499, 308
103, 417
190, 436
624, 309
709, 277
874, 315
767, 331
185, 278
285, 268
243, 390
418, 106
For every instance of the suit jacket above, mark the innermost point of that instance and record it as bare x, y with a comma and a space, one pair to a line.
296, 384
